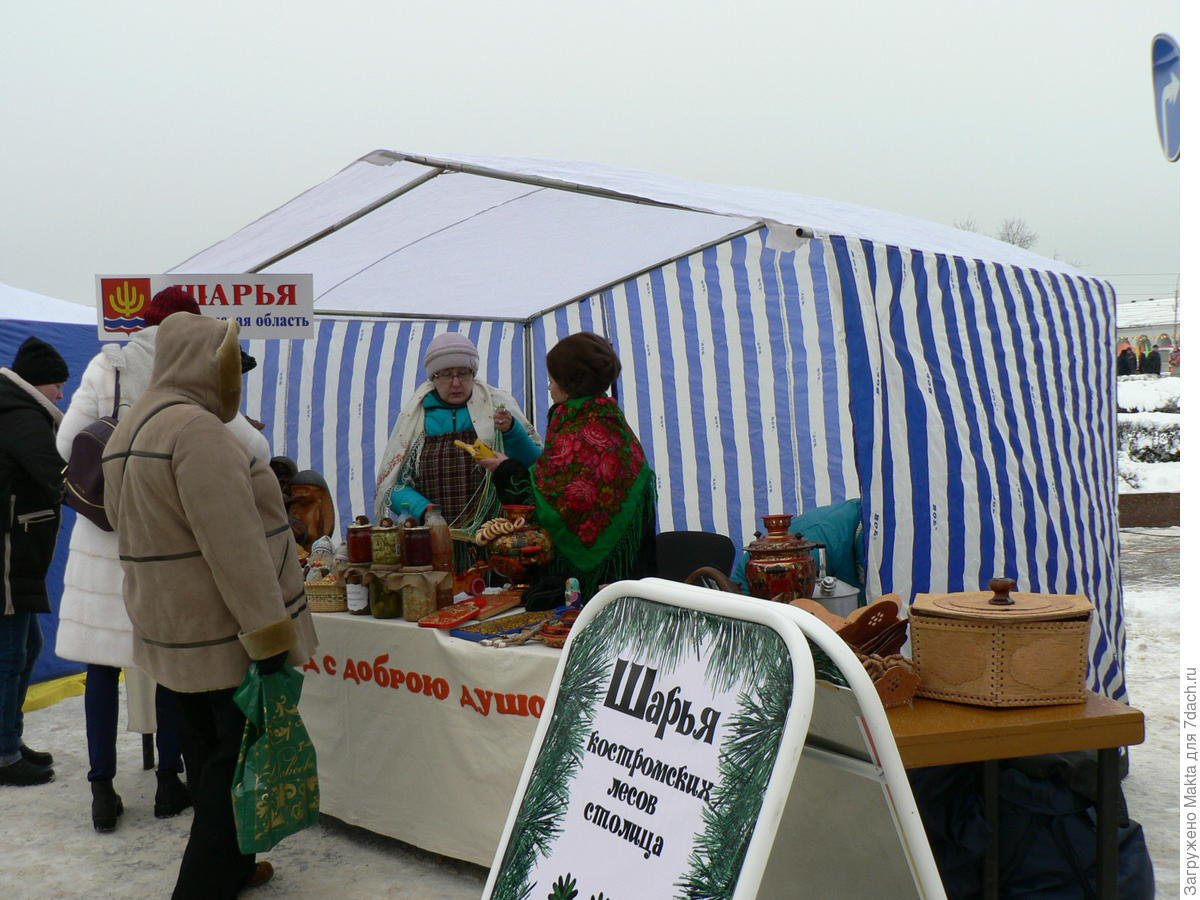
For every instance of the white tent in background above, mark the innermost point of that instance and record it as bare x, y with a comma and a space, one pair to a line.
780, 352
18, 303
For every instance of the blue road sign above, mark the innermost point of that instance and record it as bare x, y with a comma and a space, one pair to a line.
1164, 61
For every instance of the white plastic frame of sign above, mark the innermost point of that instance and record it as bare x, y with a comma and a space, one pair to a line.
795, 628
793, 734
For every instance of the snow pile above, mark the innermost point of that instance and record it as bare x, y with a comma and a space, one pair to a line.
1135, 477
1148, 434
1151, 437
1147, 393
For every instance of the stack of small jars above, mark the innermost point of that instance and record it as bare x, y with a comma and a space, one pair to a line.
403, 569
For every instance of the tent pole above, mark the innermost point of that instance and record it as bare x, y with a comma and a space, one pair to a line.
353, 217
527, 337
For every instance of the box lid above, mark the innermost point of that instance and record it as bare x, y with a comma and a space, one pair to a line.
1004, 604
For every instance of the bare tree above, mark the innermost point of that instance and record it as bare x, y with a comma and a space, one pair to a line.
1017, 232
967, 224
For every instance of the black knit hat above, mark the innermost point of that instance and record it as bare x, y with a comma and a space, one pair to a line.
39, 363
583, 364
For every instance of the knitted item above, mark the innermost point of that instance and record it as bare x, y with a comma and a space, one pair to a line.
169, 300
39, 363
451, 350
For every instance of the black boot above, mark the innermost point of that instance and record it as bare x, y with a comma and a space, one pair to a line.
172, 796
106, 805
23, 773
37, 757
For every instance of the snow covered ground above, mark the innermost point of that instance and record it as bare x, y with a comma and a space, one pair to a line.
1144, 399
1146, 393
1150, 577
48, 847
1146, 478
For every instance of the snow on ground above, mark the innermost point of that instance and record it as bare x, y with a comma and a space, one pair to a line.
1149, 419
1146, 478
1146, 393
1150, 576
48, 847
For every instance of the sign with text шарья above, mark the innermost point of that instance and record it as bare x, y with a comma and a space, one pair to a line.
264, 306
644, 774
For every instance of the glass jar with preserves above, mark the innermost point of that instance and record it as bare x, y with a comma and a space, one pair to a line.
383, 543
418, 546
358, 541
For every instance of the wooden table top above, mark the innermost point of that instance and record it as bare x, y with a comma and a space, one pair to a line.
934, 732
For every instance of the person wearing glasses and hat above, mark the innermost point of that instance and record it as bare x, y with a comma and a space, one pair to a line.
423, 465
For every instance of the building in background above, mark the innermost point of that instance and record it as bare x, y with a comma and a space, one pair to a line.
1141, 324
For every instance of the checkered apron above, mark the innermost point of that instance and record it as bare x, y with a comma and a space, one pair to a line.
450, 477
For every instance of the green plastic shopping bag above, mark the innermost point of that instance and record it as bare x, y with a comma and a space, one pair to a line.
275, 791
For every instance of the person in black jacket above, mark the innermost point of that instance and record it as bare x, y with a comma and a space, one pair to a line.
1152, 362
1127, 362
31, 487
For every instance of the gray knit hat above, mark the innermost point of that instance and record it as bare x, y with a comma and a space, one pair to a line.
451, 350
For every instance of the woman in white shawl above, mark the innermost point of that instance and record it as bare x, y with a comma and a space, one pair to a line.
423, 465
93, 625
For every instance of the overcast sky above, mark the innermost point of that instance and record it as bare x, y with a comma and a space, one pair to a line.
137, 133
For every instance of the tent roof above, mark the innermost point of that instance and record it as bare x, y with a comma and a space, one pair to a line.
18, 303
496, 238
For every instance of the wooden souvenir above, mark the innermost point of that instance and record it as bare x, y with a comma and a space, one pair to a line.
1000, 647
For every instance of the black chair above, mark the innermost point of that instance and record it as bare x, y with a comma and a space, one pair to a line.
680, 553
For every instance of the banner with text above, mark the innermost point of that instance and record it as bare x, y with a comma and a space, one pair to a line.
264, 306
651, 775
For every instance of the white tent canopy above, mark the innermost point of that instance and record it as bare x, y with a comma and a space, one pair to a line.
495, 238
18, 303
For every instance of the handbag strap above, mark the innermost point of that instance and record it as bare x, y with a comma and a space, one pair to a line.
154, 412
117, 395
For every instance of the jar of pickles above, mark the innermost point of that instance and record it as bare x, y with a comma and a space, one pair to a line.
387, 600
383, 543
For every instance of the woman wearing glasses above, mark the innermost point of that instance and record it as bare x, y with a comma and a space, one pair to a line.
422, 465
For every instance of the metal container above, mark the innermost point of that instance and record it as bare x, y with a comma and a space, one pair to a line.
781, 565
517, 555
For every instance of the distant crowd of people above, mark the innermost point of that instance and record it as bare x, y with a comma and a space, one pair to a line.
1131, 362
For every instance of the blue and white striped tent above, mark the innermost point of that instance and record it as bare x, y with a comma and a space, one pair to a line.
780, 352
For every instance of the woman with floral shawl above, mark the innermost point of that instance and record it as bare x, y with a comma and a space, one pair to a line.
592, 487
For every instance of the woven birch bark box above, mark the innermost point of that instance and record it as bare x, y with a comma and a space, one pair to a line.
1001, 648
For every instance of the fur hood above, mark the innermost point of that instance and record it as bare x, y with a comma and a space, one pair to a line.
199, 359
26, 394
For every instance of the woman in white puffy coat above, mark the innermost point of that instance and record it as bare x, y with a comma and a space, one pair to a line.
94, 627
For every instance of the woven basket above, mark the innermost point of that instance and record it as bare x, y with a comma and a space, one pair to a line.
325, 595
